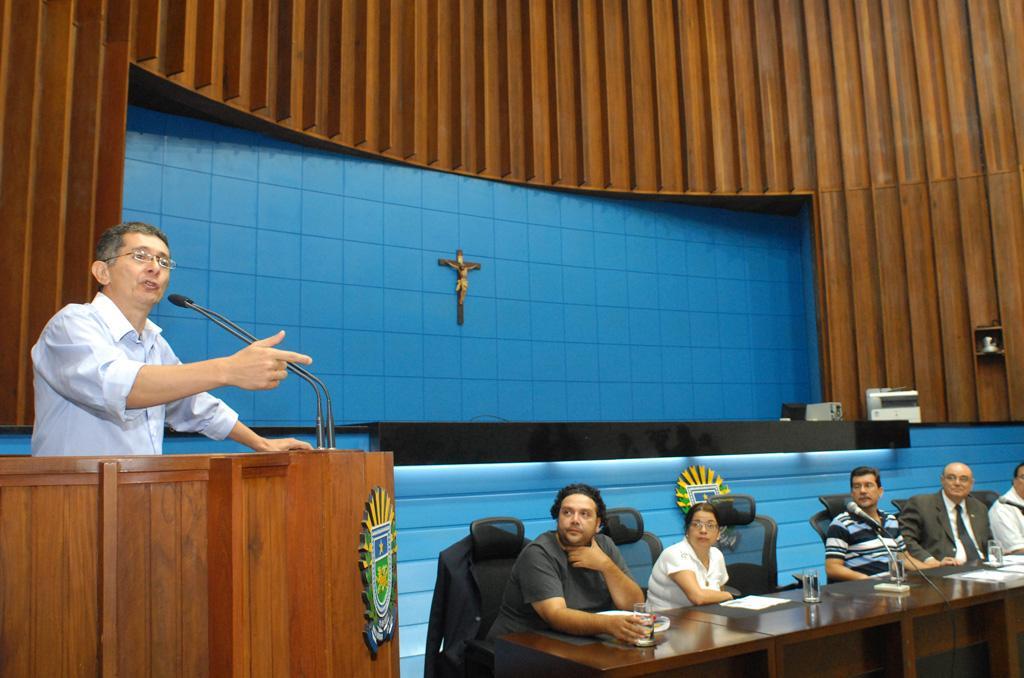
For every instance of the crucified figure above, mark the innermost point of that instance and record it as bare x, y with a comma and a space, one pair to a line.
462, 283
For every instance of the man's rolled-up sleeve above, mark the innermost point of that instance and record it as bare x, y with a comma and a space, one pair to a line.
202, 413
77, 361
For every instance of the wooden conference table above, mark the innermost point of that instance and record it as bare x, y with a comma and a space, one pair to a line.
853, 630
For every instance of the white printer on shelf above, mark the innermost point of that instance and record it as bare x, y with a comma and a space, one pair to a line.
889, 404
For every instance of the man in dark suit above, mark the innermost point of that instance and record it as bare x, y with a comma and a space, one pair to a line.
949, 527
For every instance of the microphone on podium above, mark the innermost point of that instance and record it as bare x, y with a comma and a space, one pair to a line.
1010, 502
246, 336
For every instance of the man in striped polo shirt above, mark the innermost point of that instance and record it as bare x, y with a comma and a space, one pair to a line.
853, 547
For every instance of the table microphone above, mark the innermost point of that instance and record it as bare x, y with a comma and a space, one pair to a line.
1010, 502
244, 335
854, 510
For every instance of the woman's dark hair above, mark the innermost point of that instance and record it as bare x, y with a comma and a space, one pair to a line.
705, 506
579, 488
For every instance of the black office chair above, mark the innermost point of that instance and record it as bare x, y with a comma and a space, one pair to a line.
834, 505
471, 579
748, 545
986, 497
640, 549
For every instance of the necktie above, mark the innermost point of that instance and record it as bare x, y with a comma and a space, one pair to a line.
970, 551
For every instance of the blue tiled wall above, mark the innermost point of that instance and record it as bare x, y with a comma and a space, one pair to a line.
585, 308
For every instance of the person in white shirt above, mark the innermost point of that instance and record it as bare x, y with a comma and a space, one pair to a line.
106, 381
1007, 521
691, 572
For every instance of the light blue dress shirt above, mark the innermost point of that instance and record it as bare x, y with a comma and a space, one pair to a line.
85, 364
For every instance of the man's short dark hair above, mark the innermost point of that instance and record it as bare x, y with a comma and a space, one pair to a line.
112, 239
1016, 471
865, 470
579, 488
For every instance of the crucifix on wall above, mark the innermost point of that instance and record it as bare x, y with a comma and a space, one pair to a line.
462, 283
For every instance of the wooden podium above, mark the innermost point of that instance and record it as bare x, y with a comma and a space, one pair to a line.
233, 565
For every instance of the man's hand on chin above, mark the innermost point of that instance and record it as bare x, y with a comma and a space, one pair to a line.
588, 557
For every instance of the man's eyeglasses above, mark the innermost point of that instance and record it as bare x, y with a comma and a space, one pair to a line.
144, 257
962, 479
701, 525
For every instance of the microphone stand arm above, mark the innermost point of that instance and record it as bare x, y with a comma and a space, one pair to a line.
247, 337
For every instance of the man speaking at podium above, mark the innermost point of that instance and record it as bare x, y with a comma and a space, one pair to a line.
106, 381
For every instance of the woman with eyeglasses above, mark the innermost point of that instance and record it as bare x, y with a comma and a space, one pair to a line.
691, 572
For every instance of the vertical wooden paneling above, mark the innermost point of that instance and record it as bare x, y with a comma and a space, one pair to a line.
15, 197
722, 110
353, 73
960, 86
982, 291
799, 111
877, 107
922, 296
82, 171
823, 100
425, 87
671, 151
517, 142
644, 129
50, 562
749, 139
495, 89
232, 49
994, 107
770, 76
616, 95
329, 70
16, 526
866, 289
378, 75
957, 342
81, 652
401, 108
838, 312
206, 23
931, 78
449, 151
470, 40
133, 573
906, 107
1011, 14
194, 574
593, 123
165, 579
696, 104
850, 102
892, 283
1006, 199
265, 584
570, 120
50, 167
173, 37
146, 33
542, 76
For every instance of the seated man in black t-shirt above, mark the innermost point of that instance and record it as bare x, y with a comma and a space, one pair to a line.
563, 577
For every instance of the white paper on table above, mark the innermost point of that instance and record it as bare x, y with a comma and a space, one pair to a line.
755, 602
986, 575
1013, 559
1013, 568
